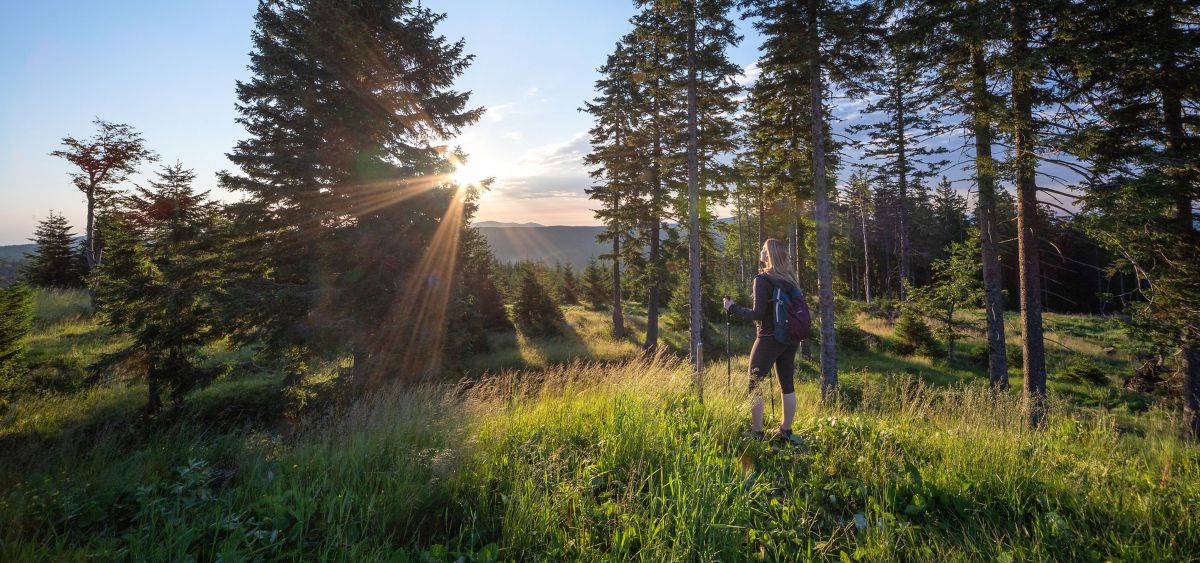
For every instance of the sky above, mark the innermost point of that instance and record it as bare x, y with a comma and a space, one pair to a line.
169, 68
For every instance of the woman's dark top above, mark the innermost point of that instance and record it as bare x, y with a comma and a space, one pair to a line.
761, 313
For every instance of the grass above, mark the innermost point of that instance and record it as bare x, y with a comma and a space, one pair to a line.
609, 459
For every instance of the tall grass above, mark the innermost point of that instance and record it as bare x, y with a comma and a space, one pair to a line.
615, 461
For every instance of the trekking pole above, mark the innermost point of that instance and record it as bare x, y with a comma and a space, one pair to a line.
772, 383
728, 357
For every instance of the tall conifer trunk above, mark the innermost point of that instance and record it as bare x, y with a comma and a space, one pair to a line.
618, 318
985, 172
693, 202
1028, 228
829, 375
1189, 348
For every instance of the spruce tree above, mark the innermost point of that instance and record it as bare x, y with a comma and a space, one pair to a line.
55, 262
902, 139
164, 277
534, 311
1137, 80
568, 286
617, 164
960, 38
349, 223
830, 40
595, 289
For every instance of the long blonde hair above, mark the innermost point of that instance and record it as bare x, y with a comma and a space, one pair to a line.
777, 265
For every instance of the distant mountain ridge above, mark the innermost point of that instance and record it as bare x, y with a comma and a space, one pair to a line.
572, 245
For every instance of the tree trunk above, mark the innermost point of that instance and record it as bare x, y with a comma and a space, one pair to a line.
741, 244
1033, 346
651, 344
866, 275
693, 203
829, 376
762, 213
1189, 349
618, 317
902, 180
985, 172
1189, 364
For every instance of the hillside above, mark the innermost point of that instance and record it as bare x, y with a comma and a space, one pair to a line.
562, 457
568, 245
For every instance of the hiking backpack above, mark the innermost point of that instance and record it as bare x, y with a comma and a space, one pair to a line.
793, 322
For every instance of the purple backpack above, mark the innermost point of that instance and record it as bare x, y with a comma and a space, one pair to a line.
793, 322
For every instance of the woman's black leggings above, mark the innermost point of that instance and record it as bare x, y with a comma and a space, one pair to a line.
767, 352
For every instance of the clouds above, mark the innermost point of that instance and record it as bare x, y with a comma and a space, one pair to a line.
556, 159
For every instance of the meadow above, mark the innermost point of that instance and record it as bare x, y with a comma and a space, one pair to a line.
577, 448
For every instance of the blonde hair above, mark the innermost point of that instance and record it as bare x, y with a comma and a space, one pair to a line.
777, 265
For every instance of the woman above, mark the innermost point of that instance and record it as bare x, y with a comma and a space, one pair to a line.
767, 351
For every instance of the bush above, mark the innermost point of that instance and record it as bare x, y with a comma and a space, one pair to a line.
1014, 353
914, 335
882, 309
849, 335
977, 355
1083, 371
534, 311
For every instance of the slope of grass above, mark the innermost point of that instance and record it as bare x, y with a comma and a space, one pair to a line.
596, 462
605, 458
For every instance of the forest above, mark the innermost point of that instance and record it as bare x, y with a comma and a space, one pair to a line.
990, 208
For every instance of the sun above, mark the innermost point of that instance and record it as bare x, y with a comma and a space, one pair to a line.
467, 174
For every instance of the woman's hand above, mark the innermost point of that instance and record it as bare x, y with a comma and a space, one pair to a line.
726, 303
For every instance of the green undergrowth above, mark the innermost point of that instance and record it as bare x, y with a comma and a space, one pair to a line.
614, 461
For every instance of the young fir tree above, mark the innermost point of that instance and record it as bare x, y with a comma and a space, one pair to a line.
55, 262
534, 311
568, 286
163, 278
349, 223
595, 289
16, 319
956, 285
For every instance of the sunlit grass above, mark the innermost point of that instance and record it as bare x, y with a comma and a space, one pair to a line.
580, 450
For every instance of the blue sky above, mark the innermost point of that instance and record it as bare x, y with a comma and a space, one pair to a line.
169, 67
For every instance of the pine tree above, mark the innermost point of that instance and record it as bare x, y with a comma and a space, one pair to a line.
162, 281
348, 202
568, 286
478, 267
54, 264
1025, 60
104, 160
617, 164
949, 216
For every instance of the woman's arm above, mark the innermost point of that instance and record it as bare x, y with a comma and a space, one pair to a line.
762, 301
